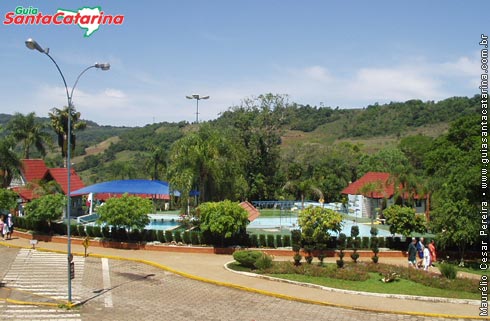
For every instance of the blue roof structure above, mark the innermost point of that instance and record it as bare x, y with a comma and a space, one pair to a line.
130, 186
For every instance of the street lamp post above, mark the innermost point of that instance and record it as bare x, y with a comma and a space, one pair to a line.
33, 45
197, 97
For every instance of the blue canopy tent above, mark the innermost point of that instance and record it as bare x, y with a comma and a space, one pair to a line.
130, 186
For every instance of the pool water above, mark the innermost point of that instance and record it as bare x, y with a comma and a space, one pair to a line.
291, 222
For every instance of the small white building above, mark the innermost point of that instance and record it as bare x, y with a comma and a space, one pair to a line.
374, 191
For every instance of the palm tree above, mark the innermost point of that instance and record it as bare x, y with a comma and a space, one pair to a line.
303, 187
59, 122
10, 163
25, 129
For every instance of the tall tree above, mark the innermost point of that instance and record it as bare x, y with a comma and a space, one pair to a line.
26, 129
10, 163
453, 164
213, 161
257, 124
59, 122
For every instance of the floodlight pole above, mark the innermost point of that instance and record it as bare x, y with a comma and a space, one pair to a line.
33, 45
197, 97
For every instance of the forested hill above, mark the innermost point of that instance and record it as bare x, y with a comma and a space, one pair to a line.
130, 151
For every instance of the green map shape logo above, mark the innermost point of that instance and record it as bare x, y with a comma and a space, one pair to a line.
90, 26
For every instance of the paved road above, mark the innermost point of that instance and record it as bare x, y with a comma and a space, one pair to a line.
124, 290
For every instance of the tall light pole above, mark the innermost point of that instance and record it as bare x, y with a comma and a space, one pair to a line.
33, 45
197, 97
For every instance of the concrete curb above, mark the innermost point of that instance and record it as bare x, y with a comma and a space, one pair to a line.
252, 290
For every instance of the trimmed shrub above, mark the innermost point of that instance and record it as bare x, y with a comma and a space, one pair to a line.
279, 240
195, 237
160, 236
254, 240
186, 237
89, 229
270, 241
178, 236
381, 242
97, 231
448, 270
151, 236
365, 242
81, 230
135, 235
247, 258
286, 241
106, 232
262, 240
263, 262
74, 230
169, 236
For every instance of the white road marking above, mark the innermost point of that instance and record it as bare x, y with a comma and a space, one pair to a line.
106, 280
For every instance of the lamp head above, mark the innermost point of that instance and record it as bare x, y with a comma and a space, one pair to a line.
32, 44
104, 67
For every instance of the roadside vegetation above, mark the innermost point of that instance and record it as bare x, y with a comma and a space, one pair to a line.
362, 276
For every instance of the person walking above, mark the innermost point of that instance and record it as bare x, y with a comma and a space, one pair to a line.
426, 259
420, 250
10, 225
1, 227
433, 254
5, 228
412, 253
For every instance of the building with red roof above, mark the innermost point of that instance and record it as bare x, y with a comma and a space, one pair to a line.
375, 190
33, 171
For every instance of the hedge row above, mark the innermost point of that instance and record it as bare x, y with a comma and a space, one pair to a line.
194, 237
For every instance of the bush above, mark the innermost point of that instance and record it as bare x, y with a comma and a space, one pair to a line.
106, 232
381, 242
247, 258
270, 241
263, 262
448, 270
254, 240
81, 230
89, 229
365, 242
74, 230
151, 236
97, 231
178, 236
194, 237
262, 240
169, 237
160, 236
286, 241
278, 240
186, 236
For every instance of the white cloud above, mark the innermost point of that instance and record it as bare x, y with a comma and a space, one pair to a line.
160, 100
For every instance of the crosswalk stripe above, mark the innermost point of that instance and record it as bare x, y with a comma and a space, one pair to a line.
43, 274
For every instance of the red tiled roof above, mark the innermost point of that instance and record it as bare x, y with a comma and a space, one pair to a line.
33, 169
60, 175
372, 177
253, 213
25, 193
379, 178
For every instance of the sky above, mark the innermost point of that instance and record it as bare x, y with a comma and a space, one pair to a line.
346, 54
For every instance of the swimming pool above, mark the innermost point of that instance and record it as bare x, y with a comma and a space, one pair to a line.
291, 222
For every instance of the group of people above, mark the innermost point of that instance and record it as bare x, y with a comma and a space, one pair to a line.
6, 226
421, 256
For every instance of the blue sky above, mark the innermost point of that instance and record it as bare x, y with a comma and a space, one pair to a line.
335, 53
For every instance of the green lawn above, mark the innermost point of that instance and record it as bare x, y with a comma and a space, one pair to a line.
373, 284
